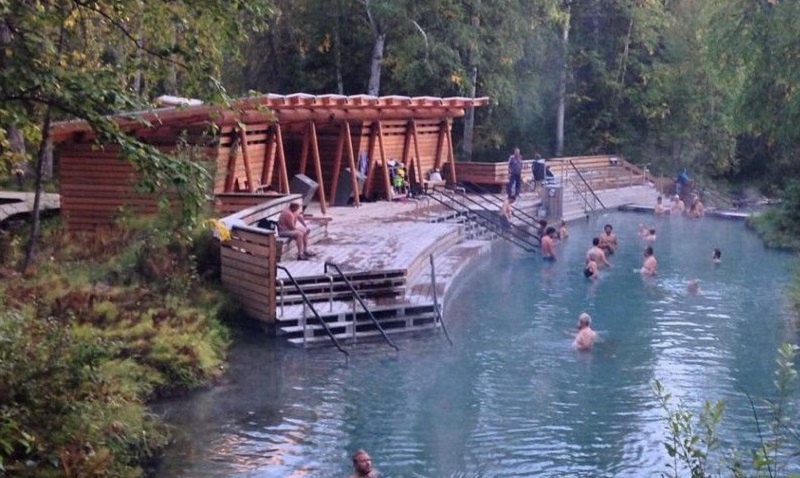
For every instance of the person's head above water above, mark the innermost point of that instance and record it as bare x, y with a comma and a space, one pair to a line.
362, 463
716, 254
584, 320
596, 241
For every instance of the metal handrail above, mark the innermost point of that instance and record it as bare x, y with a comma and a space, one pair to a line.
438, 312
464, 195
313, 310
586, 183
577, 189
357, 296
517, 211
525, 245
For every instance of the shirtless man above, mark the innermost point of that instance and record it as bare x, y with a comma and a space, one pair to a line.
659, 208
677, 206
596, 254
585, 336
608, 240
362, 466
288, 227
548, 252
697, 209
649, 265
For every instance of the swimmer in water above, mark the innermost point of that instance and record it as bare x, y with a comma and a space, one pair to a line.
562, 230
585, 336
716, 256
608, 240
590, 270
547, 248
649, 265
596, 254
693, 287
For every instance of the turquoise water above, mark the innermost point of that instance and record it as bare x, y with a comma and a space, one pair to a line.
511, 398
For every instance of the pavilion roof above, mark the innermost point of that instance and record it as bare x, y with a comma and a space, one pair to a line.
298, 107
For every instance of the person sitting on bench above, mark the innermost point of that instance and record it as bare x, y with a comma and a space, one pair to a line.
288, 227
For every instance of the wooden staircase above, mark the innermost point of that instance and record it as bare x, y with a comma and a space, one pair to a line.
384, 292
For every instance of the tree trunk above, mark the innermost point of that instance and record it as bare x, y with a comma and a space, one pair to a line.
469, 118
30, 249
337, 50
374, 85
562, 84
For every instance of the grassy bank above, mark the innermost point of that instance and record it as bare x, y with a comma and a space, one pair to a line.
105, 323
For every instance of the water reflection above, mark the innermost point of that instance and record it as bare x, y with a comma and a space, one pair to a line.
511, 398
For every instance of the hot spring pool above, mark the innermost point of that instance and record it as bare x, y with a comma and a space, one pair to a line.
511, 398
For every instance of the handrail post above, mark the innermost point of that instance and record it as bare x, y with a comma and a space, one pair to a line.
357, 297
283, 296
355, 320
330, 295
437, 312
307, 302
304, 325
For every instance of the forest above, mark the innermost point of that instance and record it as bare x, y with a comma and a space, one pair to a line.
702, 84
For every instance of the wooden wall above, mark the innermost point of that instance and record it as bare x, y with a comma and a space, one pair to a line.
248, 271
95, 185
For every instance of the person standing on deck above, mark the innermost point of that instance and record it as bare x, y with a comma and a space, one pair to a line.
288, 227
362, 466
514, 174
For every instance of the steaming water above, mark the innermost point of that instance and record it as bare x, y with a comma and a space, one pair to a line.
511, 398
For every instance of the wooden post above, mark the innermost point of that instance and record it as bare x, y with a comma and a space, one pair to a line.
370, 158
351, 158
283, 181
318, 168
437, 161
450, 155
337, 164
387, 183
304, 151
420, 173
269, 158
406, 148
251, 187
230, 176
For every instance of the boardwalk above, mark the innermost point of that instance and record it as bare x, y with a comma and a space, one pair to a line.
20, 204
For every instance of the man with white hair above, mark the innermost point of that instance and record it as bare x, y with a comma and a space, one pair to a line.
585, 336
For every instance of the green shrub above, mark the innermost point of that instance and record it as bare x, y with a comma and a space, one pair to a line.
691, 441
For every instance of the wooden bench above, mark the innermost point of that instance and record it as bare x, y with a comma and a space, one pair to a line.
270, 210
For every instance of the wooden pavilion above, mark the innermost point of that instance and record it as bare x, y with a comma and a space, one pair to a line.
258, 143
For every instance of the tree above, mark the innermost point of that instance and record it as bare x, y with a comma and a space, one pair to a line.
78, 59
